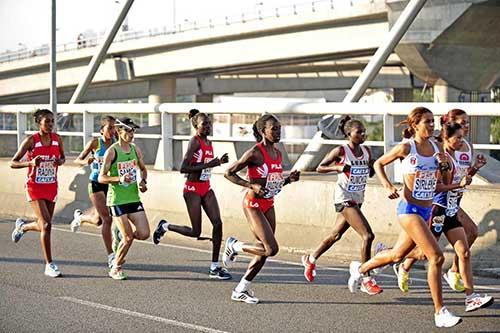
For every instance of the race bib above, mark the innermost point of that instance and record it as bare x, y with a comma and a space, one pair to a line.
206, 173
424, 185
452, 203
127, 167
274, 184
97, 163
45, 173
357, 179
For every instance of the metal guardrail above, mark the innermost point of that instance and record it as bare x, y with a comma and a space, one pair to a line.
263, 13
167, 111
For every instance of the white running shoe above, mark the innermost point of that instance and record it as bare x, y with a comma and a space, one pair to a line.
246, 296
52, 270
111, 259
379, 247
75, 224
477, 301
445, 318
18, 232
353, 282
229, 254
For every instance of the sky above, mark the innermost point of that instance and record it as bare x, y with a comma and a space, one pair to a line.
26, 23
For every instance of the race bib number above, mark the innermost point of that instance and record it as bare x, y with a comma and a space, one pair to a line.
45, 173
452, 203
97, 163
128, 167
206, 173
425, 184
357, 179
274, 184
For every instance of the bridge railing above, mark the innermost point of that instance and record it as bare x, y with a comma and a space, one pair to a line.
167, 112
261, 13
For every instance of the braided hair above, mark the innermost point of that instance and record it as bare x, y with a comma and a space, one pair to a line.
448, 130
451, 116
260, 124
40, 114
347, 123
194, 114
412, 120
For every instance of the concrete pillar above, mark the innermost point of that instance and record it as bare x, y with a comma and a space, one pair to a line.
160, 91
444, 94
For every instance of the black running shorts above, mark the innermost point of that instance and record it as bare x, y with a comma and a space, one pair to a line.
95, 187
340, 206
440, 223
128, 208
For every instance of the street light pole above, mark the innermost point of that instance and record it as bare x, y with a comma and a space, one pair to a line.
53, 64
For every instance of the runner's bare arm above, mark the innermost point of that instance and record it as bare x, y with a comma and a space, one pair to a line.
142, 166
371, 160
400, 151
61, 160
104, 178
90, 147
188, 167
232, 172
334, 156
444, 173
26, 145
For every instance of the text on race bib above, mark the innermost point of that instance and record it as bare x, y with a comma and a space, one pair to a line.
206, 173
357, 179
452, 199
274, 184
424, 185
45, 173
97, 163
128, 167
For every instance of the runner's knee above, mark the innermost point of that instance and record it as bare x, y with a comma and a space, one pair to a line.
142, 234
272, 250
368, 237
436, 258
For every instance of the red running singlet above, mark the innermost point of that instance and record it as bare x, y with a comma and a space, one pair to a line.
41, 183
203, 155
272, 171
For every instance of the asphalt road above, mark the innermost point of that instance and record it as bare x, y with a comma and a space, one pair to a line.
169, 290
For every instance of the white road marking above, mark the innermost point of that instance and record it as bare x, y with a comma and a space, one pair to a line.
142, 315
292, 263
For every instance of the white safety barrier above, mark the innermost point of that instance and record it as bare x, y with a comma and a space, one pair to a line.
165, 159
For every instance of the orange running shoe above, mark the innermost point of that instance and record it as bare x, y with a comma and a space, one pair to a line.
309, 268
370, 286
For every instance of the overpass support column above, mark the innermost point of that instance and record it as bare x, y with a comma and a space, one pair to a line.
444, 94
160, 90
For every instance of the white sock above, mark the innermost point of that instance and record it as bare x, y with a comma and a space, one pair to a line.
111, 255
243, 285
312, 260
165, 226
214, 265
238, 246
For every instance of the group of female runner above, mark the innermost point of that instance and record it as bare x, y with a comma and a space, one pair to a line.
435, 174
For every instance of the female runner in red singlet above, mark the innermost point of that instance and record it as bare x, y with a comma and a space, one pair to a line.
197, 164
265, 180
45, 153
